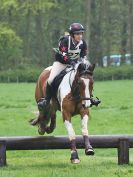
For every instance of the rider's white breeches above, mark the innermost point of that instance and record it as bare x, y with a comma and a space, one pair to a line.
56, 69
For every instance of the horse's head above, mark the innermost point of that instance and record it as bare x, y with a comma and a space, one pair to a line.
84, 83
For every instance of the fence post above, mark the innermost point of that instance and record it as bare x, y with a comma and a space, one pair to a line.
2, 153
123, 151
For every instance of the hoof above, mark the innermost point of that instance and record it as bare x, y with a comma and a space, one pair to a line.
74, 157
89, 151
48, 130
75, 161
41, 132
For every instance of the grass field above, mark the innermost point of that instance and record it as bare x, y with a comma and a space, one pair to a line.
113, 116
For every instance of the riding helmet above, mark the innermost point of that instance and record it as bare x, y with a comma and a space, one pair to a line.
76, 28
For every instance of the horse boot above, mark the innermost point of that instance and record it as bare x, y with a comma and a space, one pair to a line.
44, 102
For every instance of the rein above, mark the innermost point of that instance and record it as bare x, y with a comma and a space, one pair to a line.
70, 78
78, 97
94, 101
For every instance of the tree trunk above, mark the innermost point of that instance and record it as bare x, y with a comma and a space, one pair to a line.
100, 37
87, 21
27, 50
131, 29
39, 40
108, 28
124, 34
124, 41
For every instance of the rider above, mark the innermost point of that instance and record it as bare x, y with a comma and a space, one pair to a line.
71, 48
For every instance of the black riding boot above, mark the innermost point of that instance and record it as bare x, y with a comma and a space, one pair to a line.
44, 102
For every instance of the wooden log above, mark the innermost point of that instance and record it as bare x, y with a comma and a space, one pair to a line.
123, 151
2, 153
62, 142
121, 142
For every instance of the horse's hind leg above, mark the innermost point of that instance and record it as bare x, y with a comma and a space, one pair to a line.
88, 148
52, 126
39, 121
41, 124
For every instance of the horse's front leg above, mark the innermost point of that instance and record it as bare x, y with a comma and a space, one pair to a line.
84, 121
67, 122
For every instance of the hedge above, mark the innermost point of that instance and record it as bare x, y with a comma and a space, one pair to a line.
114, 73
21, 74
31, 73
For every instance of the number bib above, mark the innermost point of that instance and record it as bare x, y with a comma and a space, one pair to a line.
74, 54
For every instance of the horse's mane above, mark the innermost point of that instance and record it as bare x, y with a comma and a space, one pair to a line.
84, 68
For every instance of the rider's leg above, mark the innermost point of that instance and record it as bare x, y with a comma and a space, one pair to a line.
45, 101
56, 69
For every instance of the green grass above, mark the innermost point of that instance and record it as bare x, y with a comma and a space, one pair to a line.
113, 116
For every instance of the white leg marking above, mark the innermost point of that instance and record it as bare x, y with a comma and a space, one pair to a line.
84, 128
70, 129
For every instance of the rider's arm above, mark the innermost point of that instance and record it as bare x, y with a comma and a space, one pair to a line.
62, 56
83, 53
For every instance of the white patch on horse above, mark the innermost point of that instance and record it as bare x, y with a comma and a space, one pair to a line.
64, 88
87, 92
84, 128
48, 68
70, 130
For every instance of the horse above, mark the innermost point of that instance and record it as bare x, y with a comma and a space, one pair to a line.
74, 97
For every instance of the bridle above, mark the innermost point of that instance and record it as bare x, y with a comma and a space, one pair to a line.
76, 90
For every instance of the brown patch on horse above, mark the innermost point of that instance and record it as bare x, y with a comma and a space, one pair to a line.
40, 93
84, 111
67, 107
41, 85
71, 106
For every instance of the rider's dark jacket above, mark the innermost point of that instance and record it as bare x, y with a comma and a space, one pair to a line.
69, 51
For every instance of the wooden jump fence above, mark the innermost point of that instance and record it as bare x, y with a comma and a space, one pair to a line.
121, 142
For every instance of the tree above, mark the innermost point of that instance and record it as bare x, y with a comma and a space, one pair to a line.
124, 29
40, 23
88, 20
131, 29
10, 48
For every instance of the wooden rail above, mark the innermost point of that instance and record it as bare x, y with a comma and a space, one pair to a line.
121, 142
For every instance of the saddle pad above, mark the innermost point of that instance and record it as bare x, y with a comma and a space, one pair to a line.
57, 80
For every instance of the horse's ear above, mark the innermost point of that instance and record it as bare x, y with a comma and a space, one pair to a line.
92, 67
81, 67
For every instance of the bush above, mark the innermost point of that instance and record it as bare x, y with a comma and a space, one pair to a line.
28, 73
114, 73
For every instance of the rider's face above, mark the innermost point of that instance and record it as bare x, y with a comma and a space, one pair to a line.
78, 37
